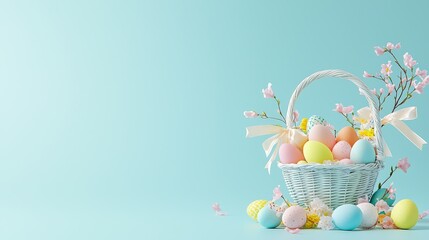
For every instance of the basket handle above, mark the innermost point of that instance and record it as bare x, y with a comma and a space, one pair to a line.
363, 89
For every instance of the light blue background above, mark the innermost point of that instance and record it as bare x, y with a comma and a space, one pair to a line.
123, 119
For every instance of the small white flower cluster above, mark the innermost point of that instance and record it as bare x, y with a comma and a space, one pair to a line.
326, 223
317, 206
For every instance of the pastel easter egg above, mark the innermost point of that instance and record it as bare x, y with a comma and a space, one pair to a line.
294, 217
369, 215
362, 152
322, 134
315, 120
268, 218
405, 214
316, 152
302, 162
254, 207
345, 161
347, 134
341, 150
288, 153
347, 217
382, 194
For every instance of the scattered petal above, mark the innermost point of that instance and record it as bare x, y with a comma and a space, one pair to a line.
292, 230
218, 211
382, 206
423, 214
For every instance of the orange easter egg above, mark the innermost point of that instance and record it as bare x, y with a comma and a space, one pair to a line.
347, 134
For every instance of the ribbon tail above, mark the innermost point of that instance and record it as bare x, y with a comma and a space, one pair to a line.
408, 133
273, 156
255, 131
387, 152
268, 144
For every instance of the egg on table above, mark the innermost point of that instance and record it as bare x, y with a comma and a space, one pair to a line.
254, 207
322, 134
369, 215
405, 214
341, 150
294, 217
347, 134
362, 152
289, 153
268, 218
316, 152
347, 217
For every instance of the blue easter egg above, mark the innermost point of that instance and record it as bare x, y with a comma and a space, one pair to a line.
378, 195
267, 218
362, 152
347, 217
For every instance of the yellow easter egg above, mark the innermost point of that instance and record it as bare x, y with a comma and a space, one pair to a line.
254, 207
316, 152
302, 162
405, 214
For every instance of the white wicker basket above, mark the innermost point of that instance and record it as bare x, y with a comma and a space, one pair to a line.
334, 184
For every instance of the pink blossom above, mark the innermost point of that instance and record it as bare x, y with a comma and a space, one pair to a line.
381, 90
426, 81
390, 46
403, 164
398, 46
386, 69
373, 91
390, 87
382, 206
292, 230
268, 92
419, 87
218, 211
366, 74
363, 200
342, 109
409, 61
295, 116
423, 214
250, 114
421, 73
391, 191
277, 194
378, 51
387, 223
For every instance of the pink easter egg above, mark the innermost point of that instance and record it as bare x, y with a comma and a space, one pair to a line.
294, 217
322, 134
345, 161
341, 150
289, 153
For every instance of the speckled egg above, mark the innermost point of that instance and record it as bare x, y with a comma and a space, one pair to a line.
347, 134
369, 215
254, 207
405, 214
322, 134
268, 218
294, 217
288, 153
347, 217
341, 150
315, 120
378, 195
362, 152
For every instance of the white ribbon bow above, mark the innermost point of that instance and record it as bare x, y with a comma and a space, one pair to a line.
396, 119
281, 135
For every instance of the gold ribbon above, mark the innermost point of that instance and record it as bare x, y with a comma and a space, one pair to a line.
281, 135
396, 120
